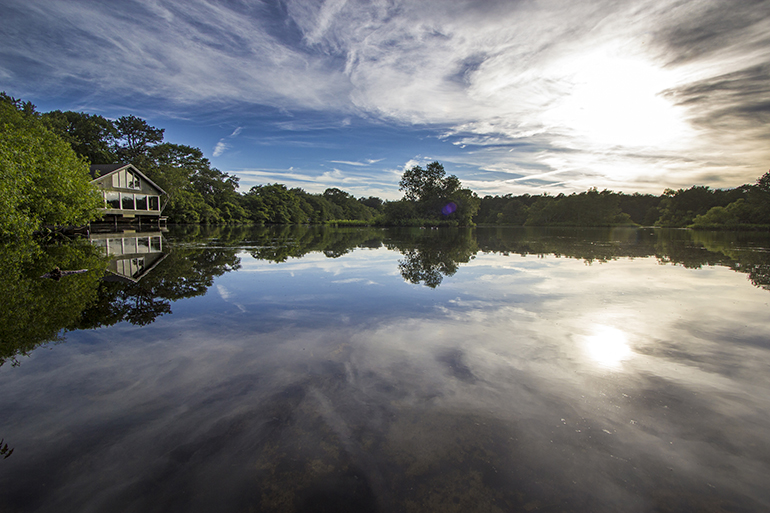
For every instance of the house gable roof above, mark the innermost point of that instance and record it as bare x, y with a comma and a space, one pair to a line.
101, 170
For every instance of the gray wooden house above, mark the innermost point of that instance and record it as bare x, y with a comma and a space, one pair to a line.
129, 196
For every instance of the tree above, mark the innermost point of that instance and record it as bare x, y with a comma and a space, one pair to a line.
421, 184
90, 136
42, 180
438, 196
763, 182
133, 139
274, 204
197, 193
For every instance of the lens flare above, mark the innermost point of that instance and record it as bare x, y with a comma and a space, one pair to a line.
449, 208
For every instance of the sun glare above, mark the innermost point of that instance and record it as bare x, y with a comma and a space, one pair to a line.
608, 346
617, 101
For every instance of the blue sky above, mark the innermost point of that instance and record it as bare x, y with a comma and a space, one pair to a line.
512, 96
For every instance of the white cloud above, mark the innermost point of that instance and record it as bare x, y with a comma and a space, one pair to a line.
220, 148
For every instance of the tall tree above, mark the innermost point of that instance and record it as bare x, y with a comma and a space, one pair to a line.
438, 196
133, 139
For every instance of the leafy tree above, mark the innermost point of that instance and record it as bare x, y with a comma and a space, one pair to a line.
679, 208
90, 136
437, 196
42, 180
421, 184
350, 208
133, 139
274, 204
197, 193
372, 202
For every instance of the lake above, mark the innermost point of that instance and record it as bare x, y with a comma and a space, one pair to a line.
363, 369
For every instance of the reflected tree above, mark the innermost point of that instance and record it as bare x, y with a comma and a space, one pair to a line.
279, 243
431, 255
38, 310
188, 271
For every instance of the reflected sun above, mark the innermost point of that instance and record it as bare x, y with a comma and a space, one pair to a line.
607, 346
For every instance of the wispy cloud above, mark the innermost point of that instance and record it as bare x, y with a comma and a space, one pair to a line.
222, 146
219, 148
366, 163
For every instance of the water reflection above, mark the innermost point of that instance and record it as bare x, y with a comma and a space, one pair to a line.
144, 281
607, 346
549, 371
132, 255
38, 310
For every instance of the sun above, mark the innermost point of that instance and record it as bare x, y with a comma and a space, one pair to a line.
613, 100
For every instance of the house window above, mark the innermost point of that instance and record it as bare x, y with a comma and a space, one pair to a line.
125, 179
154, 203
143, 245
112, 199
155, 245
129, 245
115, 247
141, 201
133, 180
130, 267
101, 244
127, 201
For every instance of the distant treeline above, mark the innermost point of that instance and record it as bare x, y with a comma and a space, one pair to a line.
44, 160
701, 207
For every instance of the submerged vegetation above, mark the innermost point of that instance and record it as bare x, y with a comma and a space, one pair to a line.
44, 160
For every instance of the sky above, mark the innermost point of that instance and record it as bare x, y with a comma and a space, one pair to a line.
511, 96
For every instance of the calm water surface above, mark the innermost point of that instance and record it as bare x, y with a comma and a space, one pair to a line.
310, 369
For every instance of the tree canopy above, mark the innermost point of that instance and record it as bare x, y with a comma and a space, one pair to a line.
42, 180
431, 195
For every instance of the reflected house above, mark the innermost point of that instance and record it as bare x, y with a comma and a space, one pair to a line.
129, 196
134, 255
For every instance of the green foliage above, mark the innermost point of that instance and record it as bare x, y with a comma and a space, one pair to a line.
133, 139
433, 196
349, 207
274, 204
38, 310
752, 211
590, 208
763, 182
197, 193
42, 181
680, 208
90, 136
